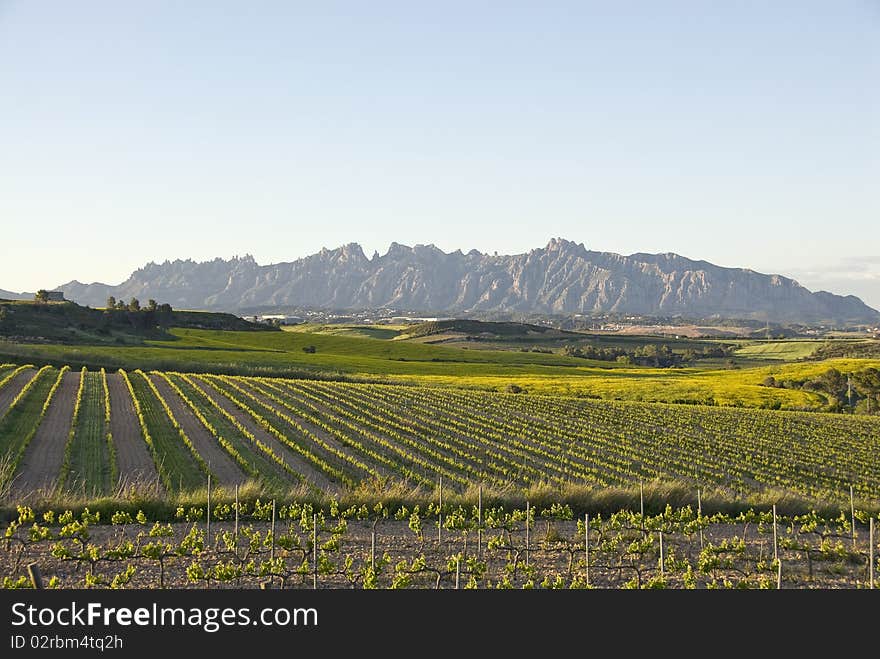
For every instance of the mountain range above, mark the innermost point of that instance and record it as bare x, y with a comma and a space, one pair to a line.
562, 277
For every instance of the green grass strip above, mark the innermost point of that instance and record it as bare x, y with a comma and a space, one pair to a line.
87, 453
177, 466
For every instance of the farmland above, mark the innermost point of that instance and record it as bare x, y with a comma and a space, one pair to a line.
394, 463
353, 358
786, 350
251, 544
335, 436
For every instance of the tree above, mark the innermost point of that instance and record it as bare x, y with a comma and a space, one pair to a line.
151, 305
41, 295
111, 302
134, 305
121, 306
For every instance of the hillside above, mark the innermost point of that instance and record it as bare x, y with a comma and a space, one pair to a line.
68, 322
484, 329
563, 277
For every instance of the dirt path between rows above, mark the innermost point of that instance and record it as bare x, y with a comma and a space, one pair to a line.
297, 463
221, 465
133, 459
41, 463
10, 391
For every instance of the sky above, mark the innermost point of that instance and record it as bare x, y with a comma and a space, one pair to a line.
744, 133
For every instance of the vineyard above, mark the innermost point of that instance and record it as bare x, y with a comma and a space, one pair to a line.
259, 544
90, 432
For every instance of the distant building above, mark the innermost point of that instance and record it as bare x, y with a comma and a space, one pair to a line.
56, 296
400, 320
280, 319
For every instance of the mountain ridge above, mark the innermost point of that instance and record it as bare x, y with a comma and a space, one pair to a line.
562, 277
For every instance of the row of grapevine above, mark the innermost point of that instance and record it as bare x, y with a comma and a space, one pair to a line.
502, 460
389, 457
180, 432
299, 545
265, 460
24, 416
30, 384
727, 446
524, 462
175, 458
433, 459
225, 443
111, 446
68, 446
8, 378
303, 442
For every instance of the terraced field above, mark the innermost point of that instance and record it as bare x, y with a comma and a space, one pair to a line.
89, 431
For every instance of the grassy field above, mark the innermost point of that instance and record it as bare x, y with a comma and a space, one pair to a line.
733, 387
781, 350
282, 353
382, 332
345, 356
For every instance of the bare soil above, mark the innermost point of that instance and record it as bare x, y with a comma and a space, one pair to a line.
133, 459
41, 463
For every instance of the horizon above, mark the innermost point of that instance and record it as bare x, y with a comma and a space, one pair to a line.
146, 133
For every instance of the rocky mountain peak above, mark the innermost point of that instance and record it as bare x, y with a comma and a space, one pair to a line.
562, 277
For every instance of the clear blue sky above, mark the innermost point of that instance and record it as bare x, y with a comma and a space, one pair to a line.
743, 133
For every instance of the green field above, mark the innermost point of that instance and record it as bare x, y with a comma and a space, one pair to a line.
87, 457
780, 350
382, 332
726, 387
368, 359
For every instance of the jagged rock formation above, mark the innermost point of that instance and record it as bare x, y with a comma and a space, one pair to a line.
563, 277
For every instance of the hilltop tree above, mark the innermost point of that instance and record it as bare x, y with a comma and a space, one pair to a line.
151, 305
41, 295
111, 302
134, 304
